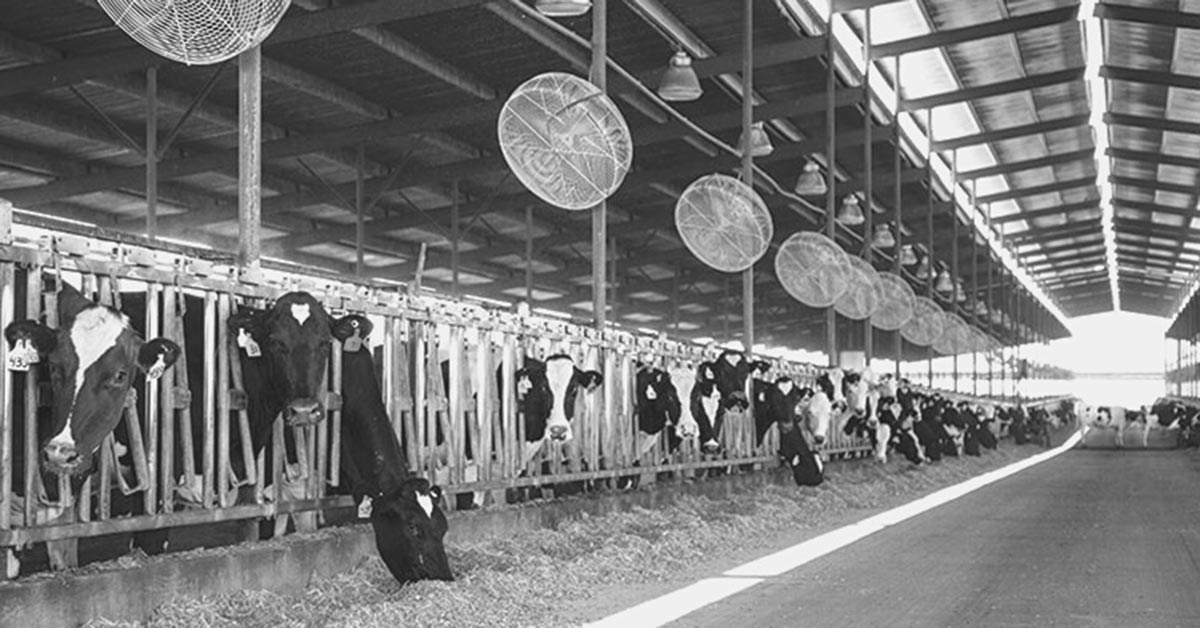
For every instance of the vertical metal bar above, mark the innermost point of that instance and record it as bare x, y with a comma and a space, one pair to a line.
613, 256
329, 442
222, 391
929, 234
210, 391
153, 330
152, 153
250, 158
831, 195
599, 76
529, 254
898, 211
954, 254
455, 236
747, 161
990, 303
7, 420
167, 400
869, 183
974, 291
360, 199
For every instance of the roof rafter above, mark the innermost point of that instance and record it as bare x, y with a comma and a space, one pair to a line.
967, 94
1042, 213
987, 137
975, 32
1049, 188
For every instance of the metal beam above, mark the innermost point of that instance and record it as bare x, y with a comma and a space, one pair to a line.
968, 94
1148, 229
1049, 188
1155, 207
1047, 232
1080, 247
1147, 184
1011, 133
845, 6
952, 36
1028, 164
1153, 158
1150, 77
1154, 124
73, 70
1049, 211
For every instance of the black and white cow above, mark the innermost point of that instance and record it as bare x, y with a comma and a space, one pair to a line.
547, 395
405, 510
775, 403
707, 406
93, 358
657, 408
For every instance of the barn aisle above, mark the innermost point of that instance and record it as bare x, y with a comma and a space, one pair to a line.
1090, 538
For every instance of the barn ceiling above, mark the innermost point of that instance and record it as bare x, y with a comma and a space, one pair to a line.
1073, 175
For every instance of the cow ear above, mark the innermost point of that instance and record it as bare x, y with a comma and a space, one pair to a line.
591, 380
70, 303
156, 356
41, 337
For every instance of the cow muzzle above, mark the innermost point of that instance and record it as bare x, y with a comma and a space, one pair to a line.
560, 433
61, 458
819, 439
301, 412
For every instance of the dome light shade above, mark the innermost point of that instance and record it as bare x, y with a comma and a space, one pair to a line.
563, 8
811, 182
850, 213
680, 83
908, 256
960, 295
883, 237
759, 144
981, 308
923, 268
944, 283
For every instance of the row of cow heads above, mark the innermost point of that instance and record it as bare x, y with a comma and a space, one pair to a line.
547, 392
93, 357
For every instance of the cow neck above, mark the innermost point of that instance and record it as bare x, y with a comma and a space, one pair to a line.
94, 331
364, 413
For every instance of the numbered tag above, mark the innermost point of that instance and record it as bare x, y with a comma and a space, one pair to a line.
22, 355
364, 508
246, 342
157, 369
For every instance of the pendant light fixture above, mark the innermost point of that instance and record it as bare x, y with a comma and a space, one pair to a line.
960, 295
680, 83
883, 237
563, 8
922, 271
850, 213
760, 143
811, 182
944, 284
908, 256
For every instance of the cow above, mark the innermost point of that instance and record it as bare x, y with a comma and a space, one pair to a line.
685, 380
775, 403
404, 510
707, 407
657, 408
814, 413
93, 359
864, 393
900, 421
547, 393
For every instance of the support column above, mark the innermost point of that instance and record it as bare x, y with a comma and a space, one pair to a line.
599, 77
250, 159
455, 238
974, 292
831, 196
954, 258
929, 233
897, 203
360, 194
529, 255
152, 153
747, 162
868, 161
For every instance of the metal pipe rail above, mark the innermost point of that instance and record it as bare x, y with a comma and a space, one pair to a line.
415, 334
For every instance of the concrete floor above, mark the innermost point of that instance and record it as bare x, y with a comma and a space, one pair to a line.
1090, 538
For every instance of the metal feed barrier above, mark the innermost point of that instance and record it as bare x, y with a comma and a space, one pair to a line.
415, 333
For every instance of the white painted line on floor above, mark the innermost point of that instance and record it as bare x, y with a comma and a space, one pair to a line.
667, 608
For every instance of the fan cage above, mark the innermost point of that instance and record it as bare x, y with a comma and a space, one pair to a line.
197, 32
812, 269
724, 223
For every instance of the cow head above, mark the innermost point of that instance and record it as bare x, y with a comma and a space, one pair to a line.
683, 381
409, 528
93, 357
293, 338
706, 406
816, 413
657, 399
855, 388
546, 393
731, 370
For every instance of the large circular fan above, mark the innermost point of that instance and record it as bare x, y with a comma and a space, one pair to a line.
897, 302
812, 268
565, 140
724, 222
925, 326
199, 32
956, 336
863, 295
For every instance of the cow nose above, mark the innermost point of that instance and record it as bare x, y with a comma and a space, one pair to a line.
304, 412
558, 432
818, 439
61, 456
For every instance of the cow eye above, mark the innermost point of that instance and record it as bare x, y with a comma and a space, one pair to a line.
415, 531
120, 377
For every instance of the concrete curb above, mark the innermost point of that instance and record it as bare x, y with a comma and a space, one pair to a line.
288, 565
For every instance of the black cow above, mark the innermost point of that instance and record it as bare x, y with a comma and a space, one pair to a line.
657, 407
406, 512
775, 402
546, 396
93, 359
707, 407
728, 374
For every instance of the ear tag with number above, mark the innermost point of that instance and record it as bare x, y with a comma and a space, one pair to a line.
364, 508
246, 342
22, 355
